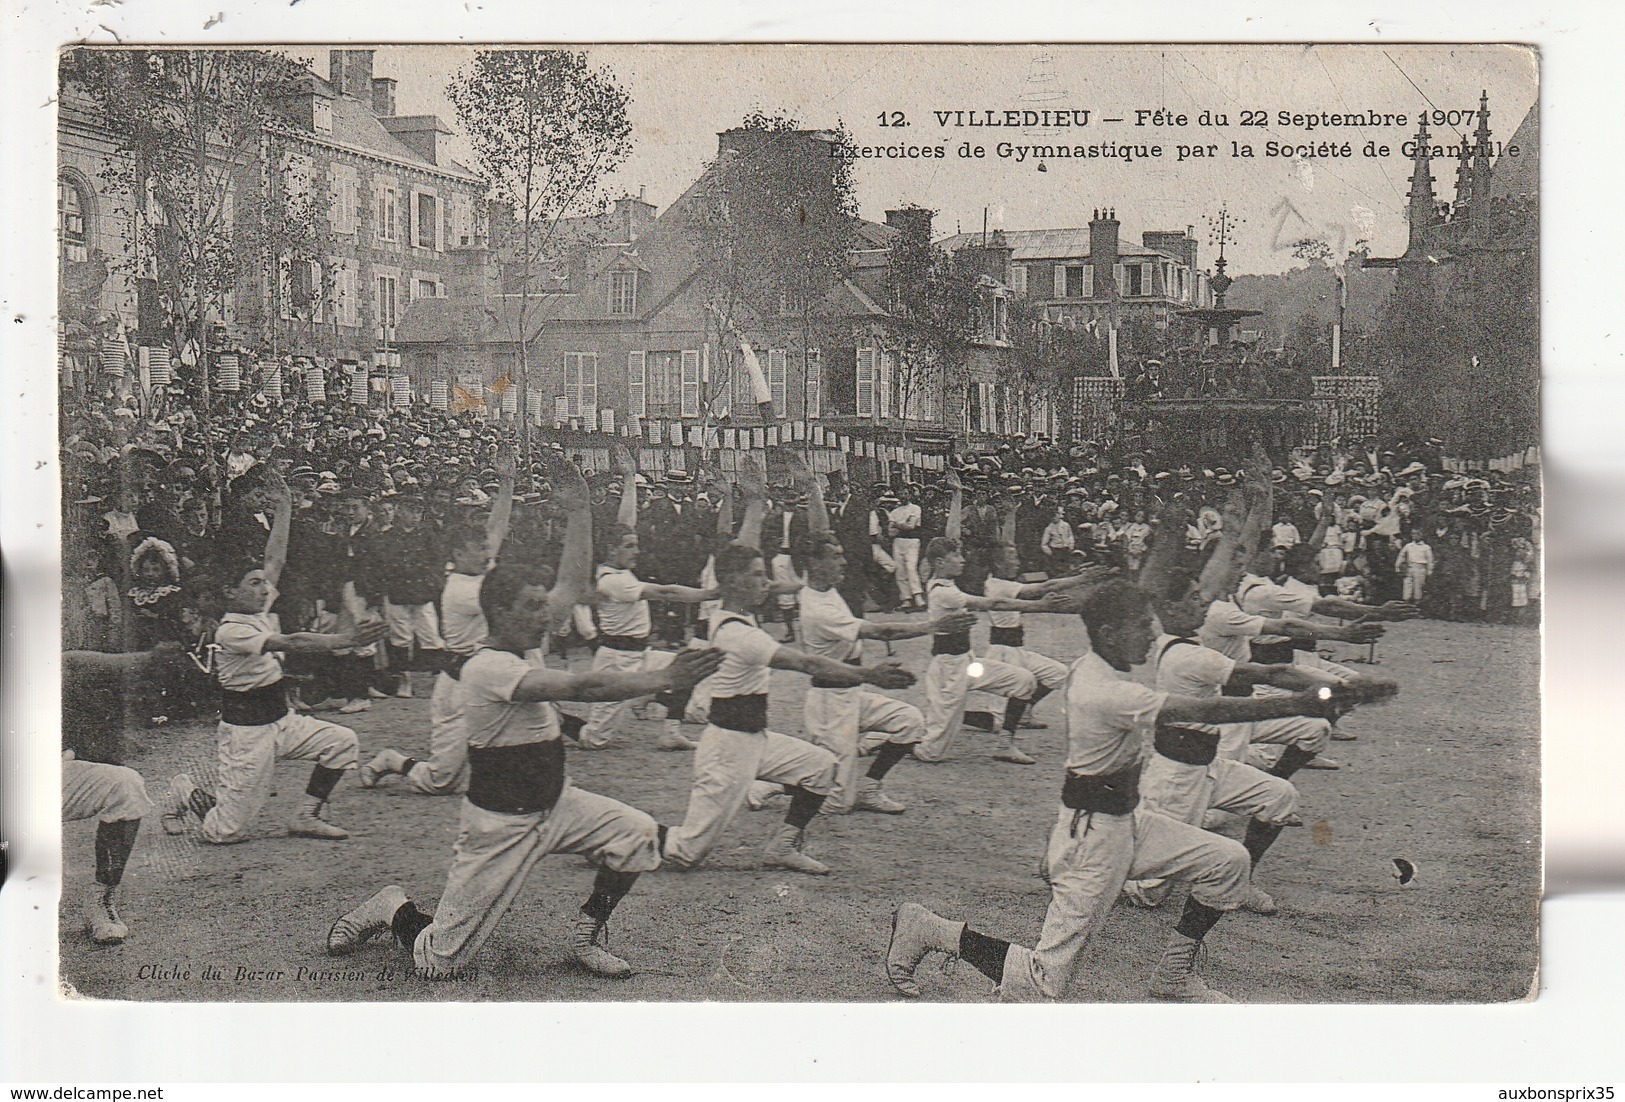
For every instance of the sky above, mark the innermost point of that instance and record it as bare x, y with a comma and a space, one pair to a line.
681, 96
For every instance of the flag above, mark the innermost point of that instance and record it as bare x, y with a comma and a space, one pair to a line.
158, 366
439, 395
606, 420
115, 356
465, 399
315, 382
677, 434
772, 436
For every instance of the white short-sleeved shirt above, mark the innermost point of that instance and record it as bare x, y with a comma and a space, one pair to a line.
1109, 719
462, 623
242, 662
828, 628
1262, 597
491, 716
905, 516
708, 580
747, 650
944, 595
1179, 669
1228, 630
1008, 589
621, 607
1184, 670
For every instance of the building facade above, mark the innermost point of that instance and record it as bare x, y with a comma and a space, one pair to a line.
624, 326
373, 215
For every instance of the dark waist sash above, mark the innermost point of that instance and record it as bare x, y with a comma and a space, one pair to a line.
516, 780
953, 642
1108, 793
1007, 637
624, 642
453, 663
1189, 745
255, 707
822, 683
1272, 654
740, 713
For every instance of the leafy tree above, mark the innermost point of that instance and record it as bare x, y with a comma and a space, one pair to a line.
191, 128
546, 130
935, 298
773, 222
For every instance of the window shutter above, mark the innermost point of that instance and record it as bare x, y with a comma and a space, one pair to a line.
587, 398
570, 372
866, 382
815, 383
1120, 277
690, 399
776, 384
318, 293
1060, 281
1147, 287
335, 199
636, 383
1089, 281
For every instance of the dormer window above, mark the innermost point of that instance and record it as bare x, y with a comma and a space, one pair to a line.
321, 115
623, 293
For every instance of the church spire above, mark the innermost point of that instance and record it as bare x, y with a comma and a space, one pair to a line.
1461, 208
1481, 146
1424, 209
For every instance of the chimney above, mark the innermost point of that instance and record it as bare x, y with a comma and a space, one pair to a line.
383, 97
996, 256
633, 216
350, 73
914, 223
1103, 247
1174, 243
418, 132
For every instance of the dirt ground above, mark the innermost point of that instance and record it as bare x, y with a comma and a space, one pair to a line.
1446, 776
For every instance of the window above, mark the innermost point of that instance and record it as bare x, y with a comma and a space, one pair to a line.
426, 288
71, 222
691, 385
623, 293
815, 383
1001, 318
580, 373
388, 211
462, 220
637, 383
321, 115
425, 220
1075, 281
1139, 280
344, 198
296, 179
865, 404
1018, 278
662, 392
346, 306
777, 384
315, 294
387, 307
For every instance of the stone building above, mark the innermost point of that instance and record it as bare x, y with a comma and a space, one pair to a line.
389, 219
